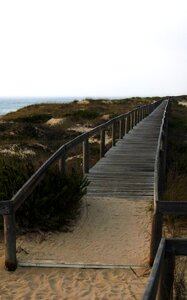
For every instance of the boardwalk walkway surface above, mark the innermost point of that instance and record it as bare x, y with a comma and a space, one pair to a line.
127, 170
114, 230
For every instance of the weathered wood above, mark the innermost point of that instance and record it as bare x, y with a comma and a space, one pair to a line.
121, 129
85, 156
113, 134
158, 187
156, 235
165, 291
102, 144
152, 285
60, 264
62, 164
10, 242
128, 124
172, 207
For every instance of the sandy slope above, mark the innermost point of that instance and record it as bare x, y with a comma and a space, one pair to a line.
111, 231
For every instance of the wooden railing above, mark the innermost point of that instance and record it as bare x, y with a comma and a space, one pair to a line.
159, 180
160, 283
163, 251
8, 208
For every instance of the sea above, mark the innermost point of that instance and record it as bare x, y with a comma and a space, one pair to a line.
12, 104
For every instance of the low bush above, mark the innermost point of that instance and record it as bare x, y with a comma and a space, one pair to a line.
35, 118
85, 114
54, 205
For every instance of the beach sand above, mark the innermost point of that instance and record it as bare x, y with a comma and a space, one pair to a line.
110, 231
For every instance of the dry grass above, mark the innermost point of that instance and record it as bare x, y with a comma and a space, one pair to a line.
180, 278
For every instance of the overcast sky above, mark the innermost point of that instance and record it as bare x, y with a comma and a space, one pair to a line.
93, 48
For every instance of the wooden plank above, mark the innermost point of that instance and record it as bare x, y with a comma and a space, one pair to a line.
10, 242
113, 134
172, 207
85, 156
61, 264
102, 144
62, 164
152, 286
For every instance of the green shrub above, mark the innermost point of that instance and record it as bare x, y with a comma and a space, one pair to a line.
85, 114
29, 130
54, 205
35, 118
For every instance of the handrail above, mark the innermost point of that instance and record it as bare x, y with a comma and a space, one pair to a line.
8, 208
157, 157
160, 282
152, 286
159, 176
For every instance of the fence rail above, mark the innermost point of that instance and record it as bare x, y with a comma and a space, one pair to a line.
159, 179
163, 251
8, 208
160, 284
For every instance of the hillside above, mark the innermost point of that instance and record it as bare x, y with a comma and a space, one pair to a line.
39, 130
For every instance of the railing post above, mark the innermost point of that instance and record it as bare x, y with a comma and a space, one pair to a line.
138, 115
134, 118
10, 241
102, 144
156, 235
126, 125
114, 134
165, 291
62, 164
85, 156
121, 129
141, 113
131, 120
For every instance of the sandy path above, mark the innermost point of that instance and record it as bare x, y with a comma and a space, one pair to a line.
71, 284
110, 231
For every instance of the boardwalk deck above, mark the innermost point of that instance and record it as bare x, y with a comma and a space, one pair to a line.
127, 170
115, 225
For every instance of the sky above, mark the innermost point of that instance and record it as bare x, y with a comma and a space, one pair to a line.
93, 48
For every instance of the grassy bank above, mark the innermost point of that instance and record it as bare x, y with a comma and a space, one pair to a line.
39, 130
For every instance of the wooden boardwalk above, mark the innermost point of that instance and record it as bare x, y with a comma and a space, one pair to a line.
113, 232
127, 170
115, 226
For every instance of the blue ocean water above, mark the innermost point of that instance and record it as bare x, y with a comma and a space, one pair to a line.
7, 104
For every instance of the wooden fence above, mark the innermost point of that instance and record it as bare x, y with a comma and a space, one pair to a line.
8, 208
160, 284
159, 179
163, 251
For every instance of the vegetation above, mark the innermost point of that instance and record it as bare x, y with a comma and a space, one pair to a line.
27, 140
54, 205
